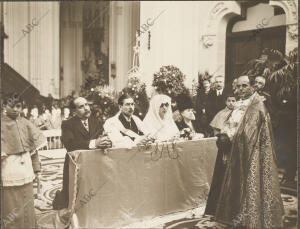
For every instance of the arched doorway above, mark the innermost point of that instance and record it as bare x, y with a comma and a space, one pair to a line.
260, 26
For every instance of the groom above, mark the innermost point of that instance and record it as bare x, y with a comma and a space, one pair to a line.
125, 129
80, 132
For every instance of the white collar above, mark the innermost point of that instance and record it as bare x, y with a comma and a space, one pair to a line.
219, 91
245, 102
83, 121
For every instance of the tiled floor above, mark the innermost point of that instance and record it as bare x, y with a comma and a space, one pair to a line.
51, 180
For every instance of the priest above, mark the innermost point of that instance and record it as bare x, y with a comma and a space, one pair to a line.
250, 192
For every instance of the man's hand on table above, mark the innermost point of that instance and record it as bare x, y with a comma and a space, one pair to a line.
103, 142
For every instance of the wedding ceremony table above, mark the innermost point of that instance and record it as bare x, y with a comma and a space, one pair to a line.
121, 186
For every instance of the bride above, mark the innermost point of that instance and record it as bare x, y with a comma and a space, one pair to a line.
159, 120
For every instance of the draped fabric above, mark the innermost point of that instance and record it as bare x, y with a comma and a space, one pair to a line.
127, 186
20, 135
250, 194
163, 129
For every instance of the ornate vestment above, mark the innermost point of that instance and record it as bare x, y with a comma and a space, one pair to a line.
250, 193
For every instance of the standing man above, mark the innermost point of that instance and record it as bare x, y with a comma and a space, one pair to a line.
82, 131
216, 99
250, 193
126, 129
259, 87
201, 106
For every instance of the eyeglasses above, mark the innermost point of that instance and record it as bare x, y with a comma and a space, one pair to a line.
164, 104
18, 106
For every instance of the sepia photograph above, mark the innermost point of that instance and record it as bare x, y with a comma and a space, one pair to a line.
149, 114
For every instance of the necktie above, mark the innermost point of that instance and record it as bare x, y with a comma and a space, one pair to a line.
86, 125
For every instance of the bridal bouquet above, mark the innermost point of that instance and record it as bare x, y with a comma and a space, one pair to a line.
186, 133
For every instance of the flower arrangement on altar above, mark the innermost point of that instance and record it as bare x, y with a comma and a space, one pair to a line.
103, 99
92, 81
137, 90
169, 80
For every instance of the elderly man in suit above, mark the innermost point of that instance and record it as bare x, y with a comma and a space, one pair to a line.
216, 98
82, 131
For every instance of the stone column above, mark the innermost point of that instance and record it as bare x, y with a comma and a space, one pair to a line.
33, 45
124, 22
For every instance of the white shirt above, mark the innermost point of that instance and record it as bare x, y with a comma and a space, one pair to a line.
92, 144
219, 92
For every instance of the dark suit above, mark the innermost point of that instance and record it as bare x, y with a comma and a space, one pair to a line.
201, 104
196, 124
74, 137
214, 104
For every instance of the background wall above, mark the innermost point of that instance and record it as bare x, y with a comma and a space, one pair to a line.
174, 37
34, 51
192, 34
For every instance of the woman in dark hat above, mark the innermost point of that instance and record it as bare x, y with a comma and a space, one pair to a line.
188, 125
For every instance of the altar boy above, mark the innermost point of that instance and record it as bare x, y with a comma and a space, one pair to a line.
219, 121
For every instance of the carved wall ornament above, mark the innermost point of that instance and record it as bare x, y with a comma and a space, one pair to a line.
216, 10
218, 7
208, 40
293, 31
293, 9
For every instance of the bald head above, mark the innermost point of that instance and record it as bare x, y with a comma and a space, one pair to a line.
243, 87
82, 108
219, 81
259, 83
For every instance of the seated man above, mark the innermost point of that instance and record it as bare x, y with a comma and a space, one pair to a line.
83, 131
125, 129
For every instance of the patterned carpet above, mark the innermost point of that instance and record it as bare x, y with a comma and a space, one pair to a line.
51, 181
